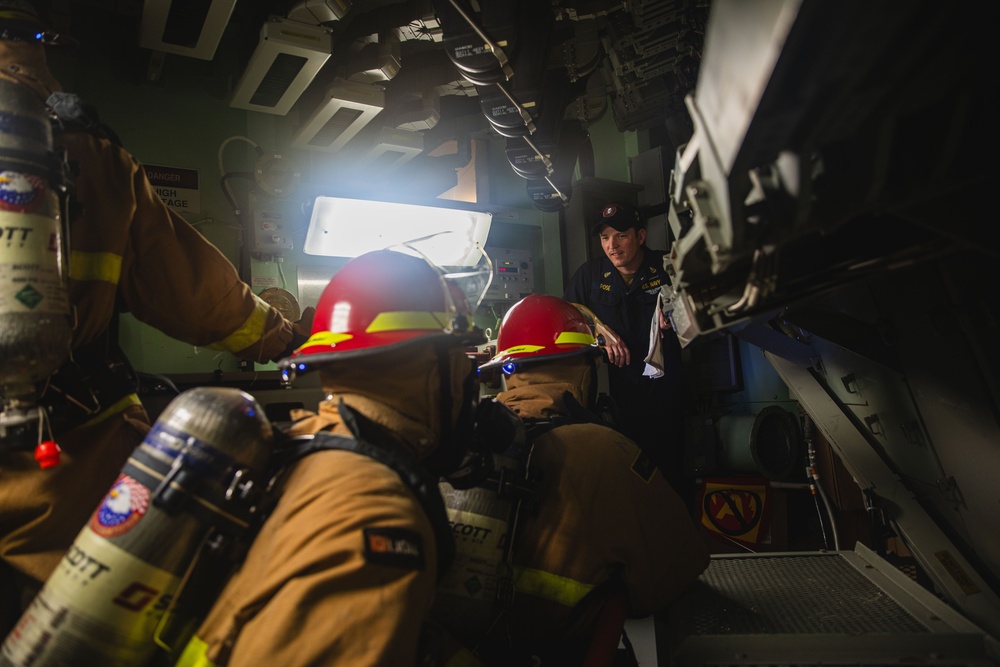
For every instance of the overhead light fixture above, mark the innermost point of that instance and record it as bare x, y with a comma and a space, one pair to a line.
392, 148
185, 28
287, 58
342, 227
347, 107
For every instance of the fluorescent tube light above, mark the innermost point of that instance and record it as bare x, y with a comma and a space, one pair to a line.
342, 227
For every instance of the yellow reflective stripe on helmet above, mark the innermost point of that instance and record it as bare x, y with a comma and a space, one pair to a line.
14, 13
104, 266
194, 655
249, 332
551, 587
574, 337
418, 320
326, 338
520, 349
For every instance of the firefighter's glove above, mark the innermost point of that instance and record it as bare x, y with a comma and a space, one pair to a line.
303, 325
301, 330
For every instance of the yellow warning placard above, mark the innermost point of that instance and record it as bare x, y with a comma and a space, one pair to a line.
735, 508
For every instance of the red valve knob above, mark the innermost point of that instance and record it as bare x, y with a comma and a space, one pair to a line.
47, 454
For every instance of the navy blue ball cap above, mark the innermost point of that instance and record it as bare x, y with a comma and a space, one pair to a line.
617, 216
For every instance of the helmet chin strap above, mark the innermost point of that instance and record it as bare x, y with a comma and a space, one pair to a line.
591, 396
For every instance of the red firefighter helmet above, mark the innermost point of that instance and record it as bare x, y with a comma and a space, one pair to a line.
379, 300
540, 328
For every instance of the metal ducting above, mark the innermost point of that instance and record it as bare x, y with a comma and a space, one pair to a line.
377, 60
316, 12
358, 93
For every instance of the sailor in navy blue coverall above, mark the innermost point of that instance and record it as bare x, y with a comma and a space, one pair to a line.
621, 289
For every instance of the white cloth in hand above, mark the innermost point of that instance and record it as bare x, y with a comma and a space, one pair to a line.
654, 358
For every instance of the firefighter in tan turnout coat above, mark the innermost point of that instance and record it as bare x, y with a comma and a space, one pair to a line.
607, 525
127, 250
344, 568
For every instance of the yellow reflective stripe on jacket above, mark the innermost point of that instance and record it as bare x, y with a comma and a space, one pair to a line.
113, 409
104, 266
249, 332
194, 655
551, 587
463, 658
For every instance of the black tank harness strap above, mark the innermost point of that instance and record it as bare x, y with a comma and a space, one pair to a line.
423, 485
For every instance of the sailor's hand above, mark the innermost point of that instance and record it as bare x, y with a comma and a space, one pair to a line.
617, 352
665, 324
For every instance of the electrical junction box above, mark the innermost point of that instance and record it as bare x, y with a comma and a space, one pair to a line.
273, 220
513, 274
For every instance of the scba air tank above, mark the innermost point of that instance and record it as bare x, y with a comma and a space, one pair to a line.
35, 324
470, 594
195, 474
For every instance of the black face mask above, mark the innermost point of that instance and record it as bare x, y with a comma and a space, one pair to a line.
497, 431
483, 428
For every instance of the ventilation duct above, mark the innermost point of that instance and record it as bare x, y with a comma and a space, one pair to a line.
186, 27
288, 57
357, 94
348, 106
418, 115
377, 60
319, 11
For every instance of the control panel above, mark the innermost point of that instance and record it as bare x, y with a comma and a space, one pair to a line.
513, 274
272, 224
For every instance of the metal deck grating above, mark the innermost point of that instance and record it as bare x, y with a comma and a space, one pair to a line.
807, 594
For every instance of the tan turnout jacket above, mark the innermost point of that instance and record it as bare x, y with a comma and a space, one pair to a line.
600, 510
311, 591
316, 589
126, 245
